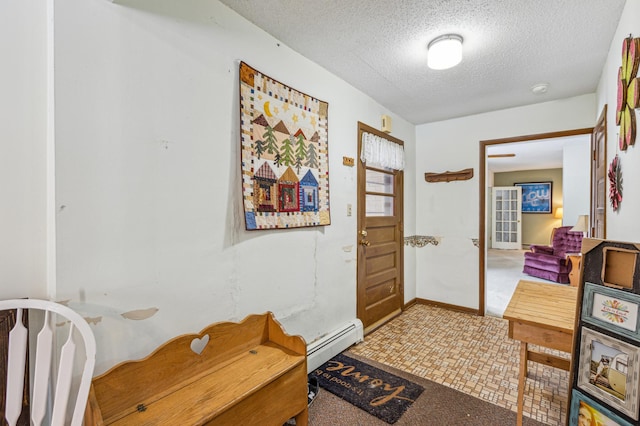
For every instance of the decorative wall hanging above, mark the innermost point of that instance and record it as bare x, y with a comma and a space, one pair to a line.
285, 154
628, 92
615, 183
447, 176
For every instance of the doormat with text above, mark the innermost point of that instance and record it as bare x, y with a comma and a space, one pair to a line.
377, 392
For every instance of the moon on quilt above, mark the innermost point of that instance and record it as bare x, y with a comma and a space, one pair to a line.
266, 109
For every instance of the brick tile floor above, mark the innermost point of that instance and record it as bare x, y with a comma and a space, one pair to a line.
469, 353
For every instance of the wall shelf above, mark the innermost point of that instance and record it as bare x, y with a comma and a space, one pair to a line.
448, 176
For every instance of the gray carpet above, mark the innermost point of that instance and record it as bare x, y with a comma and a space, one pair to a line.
438, 406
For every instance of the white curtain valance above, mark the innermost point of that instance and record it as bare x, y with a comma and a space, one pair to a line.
381, 152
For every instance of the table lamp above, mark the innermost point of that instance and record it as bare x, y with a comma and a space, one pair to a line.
582, 225
559, 212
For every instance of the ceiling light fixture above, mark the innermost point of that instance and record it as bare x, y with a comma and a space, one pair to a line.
444, 52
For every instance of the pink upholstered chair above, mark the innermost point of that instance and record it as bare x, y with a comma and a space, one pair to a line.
550, 262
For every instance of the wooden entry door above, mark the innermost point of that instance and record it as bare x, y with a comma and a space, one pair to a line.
380, 287
597, 218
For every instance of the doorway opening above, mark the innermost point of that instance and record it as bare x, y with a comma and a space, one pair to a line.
534, 145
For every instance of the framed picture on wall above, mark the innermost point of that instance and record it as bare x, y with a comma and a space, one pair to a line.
536, 197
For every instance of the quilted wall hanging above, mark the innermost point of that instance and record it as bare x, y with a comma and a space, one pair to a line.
285, 154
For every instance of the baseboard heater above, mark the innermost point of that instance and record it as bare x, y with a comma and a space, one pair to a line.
327, 347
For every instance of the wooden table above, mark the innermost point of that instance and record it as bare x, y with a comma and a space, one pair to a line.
542, 314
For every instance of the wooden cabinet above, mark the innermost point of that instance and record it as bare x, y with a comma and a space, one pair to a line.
605, 362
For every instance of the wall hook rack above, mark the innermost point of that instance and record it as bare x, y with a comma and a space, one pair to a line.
448, 176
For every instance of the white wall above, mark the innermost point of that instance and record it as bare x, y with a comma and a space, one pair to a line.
23, 151
410, 219
622, 225
448, 272
148, 179
147, 185
576, 179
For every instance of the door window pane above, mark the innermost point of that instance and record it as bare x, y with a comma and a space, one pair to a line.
379, 205
505, 222
379, 182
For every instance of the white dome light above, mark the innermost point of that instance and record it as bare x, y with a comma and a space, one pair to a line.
444, 52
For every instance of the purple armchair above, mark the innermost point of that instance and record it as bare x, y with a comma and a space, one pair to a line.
551, 263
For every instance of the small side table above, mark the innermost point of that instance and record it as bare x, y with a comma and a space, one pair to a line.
544, 315
574, 275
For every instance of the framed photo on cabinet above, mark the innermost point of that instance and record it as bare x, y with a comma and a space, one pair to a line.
585, 410
614, 310
608, 370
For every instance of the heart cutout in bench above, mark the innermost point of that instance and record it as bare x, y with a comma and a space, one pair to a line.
198, 345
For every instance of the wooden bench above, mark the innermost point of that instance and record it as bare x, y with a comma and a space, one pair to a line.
250, 372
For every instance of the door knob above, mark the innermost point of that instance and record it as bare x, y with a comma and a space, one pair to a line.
363, 232
365, 242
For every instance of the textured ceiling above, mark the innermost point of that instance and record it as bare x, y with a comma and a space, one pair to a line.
379, 46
